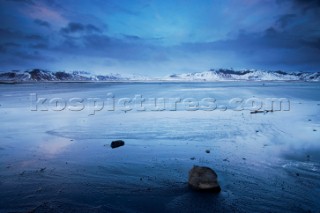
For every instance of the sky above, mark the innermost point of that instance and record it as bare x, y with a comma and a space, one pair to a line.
159, 37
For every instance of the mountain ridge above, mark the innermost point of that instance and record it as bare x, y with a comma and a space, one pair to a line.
39, 75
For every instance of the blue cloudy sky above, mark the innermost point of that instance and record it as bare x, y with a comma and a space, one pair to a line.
158, 37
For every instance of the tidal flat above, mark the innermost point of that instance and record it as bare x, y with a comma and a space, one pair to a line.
59, 159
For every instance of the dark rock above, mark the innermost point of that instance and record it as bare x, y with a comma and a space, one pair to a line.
117, 143
203, 179
63, 76
208, 151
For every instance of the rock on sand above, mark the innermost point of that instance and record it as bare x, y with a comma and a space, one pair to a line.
203, 179
117, 143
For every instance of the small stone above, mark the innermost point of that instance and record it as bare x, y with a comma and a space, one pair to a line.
297, 174
208, 151
117, 143
203, 179
193, 158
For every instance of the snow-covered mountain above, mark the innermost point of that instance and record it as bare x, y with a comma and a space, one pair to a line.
211, 75
43, 75
244, 75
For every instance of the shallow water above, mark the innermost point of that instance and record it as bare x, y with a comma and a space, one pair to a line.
62, 160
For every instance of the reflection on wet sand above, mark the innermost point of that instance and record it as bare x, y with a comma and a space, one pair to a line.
54, 145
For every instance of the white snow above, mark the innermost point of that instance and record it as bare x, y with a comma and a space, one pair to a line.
212, 75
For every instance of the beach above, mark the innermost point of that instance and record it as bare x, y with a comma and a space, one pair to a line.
56, 157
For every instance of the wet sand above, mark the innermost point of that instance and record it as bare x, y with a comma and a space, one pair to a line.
61, 161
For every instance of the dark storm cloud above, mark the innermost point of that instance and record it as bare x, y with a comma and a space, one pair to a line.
91, 28
39, 46
74, 27
8, 34
301, 28
35, 37
253, 34
12, 44
42, 23
271, 48
34, 55
307, 4
284, 20
315, 43
104, 46
18, 47
31, 2
132, 37
16, 41
4, 47
22, 55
